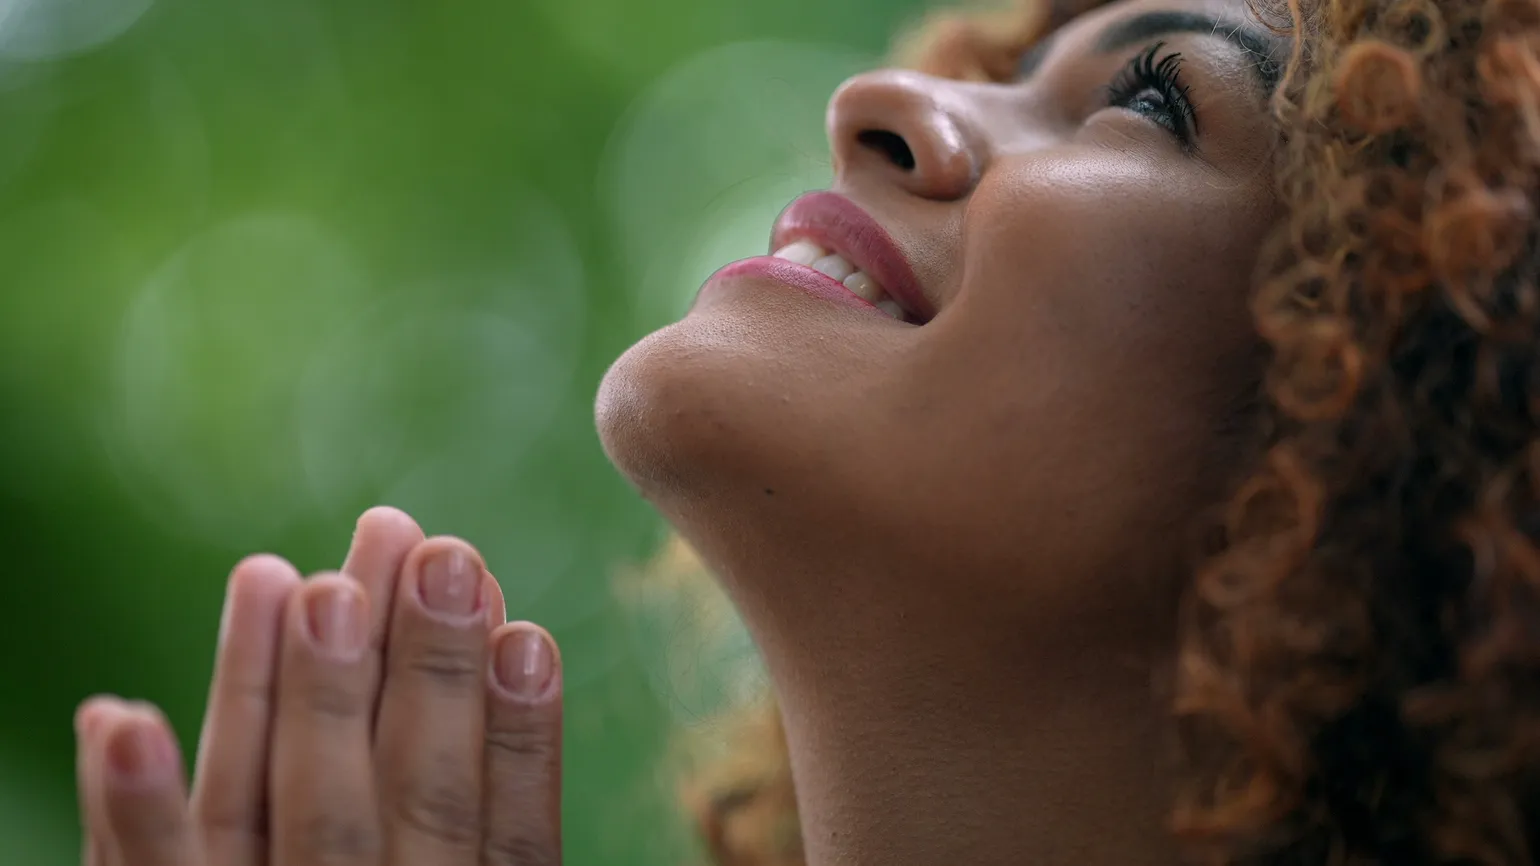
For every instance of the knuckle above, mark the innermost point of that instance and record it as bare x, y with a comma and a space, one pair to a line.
250, 693
450, 667
234, 837
525, 743
138, 823
333, 699
224, 817
517, 850
448, 810
335, 839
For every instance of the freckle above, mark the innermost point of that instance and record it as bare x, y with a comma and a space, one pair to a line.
769, 491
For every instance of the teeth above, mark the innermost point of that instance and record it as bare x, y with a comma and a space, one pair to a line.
801, 252
834, 265
864, 287
838, 267
890, 306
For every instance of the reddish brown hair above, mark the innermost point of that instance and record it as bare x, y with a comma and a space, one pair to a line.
1361, 671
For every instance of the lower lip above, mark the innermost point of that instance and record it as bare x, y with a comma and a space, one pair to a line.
815, 283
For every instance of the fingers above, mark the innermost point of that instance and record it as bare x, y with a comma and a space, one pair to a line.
136, 799
432, 708
522, 755
383, 538
381, 541
93, 820
321, 787
310, 756
230, 786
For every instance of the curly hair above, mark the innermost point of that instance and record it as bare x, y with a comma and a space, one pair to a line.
1359, 672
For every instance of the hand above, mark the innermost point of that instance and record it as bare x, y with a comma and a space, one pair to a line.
383, 716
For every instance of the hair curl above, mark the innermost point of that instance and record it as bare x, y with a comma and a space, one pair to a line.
1359, 675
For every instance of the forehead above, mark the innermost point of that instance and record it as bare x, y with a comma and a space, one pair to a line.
1096, 17
1130, 22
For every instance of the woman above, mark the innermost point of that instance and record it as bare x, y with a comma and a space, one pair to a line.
953, 452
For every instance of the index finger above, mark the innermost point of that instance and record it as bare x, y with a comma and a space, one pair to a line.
381, 541
229, 796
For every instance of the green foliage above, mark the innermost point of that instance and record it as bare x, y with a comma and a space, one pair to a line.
268, 262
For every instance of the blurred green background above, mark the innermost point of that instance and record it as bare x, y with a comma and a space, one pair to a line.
268, 262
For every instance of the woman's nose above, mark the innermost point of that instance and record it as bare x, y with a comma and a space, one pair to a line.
896, 123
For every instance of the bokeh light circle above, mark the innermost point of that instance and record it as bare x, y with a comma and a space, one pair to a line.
435, 398
51, 29
210, 354
702, 162
463, 388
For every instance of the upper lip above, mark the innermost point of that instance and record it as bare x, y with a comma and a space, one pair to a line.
836, 223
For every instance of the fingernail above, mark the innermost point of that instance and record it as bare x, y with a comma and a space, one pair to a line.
451, 583
524, 663
140, 752
334, 613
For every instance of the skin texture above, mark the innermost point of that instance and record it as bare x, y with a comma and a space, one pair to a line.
985, 519
393, 745
982, 519
960, 600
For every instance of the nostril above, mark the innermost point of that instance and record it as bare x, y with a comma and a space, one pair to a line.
890, 145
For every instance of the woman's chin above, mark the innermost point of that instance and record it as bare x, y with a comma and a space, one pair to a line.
663, 417
724, 424
730, 395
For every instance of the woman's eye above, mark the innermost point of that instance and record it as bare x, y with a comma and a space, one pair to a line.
1151, 85
1149, 102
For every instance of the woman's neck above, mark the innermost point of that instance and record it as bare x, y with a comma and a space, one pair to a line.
941, 752
935, 715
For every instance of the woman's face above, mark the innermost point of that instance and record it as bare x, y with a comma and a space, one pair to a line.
1069, 255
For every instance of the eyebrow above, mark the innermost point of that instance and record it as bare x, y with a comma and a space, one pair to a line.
1152, 25
1143, 28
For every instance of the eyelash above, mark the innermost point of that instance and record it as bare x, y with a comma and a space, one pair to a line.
1153, 87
